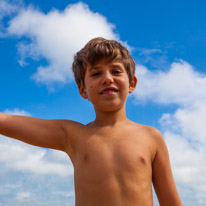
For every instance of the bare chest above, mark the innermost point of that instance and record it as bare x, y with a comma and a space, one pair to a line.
124, 157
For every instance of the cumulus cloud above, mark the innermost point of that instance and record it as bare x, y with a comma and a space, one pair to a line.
23, 165
184, 130
189, 168
26, 158
56, 37
189, 121
180, 85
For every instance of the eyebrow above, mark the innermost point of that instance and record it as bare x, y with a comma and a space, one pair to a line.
113, 65
94, 67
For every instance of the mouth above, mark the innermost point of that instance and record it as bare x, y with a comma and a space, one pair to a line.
109, 90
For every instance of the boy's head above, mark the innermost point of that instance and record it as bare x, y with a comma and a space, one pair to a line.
99, 49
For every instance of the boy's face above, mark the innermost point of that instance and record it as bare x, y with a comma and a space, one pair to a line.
107, 85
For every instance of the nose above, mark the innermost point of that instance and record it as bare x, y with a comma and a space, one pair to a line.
107, 78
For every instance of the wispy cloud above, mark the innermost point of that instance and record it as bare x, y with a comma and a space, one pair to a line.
155, 58
7, 9
17, 111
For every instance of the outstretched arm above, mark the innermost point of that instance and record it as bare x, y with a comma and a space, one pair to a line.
162, 176
44, 133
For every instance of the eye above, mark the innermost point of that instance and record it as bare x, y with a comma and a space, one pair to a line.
95, 74
116, 72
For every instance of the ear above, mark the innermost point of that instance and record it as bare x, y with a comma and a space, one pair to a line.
133, 84
82, 91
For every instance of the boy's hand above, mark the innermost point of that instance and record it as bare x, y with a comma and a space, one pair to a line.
162, 175
38, 132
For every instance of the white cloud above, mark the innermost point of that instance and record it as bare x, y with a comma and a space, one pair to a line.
7, 8
189, 168
21, 188
185, 134
26, 158
184, 130
149, 51
33, 175
23, 195
17, 112
57, 36
189, 121
153, 58
180, 85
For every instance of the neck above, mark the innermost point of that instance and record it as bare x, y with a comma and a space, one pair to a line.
110, 118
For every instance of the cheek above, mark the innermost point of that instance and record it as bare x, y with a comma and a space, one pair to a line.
125, 84
90, 89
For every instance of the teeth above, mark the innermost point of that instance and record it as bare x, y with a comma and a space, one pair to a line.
109, 91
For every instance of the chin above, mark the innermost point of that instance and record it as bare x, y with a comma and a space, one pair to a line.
110, 108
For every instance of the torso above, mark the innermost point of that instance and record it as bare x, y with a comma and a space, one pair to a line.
113, 168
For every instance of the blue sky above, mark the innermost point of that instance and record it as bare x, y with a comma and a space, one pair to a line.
38, 39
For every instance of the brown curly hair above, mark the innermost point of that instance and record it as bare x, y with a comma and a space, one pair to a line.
98, 49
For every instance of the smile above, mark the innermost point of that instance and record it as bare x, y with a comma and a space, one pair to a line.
109, 90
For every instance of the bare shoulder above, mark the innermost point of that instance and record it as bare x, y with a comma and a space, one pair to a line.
70, 124
74, 131
156, 137
151, 132
148, 137
152, 137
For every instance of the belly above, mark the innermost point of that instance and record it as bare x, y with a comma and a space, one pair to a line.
105, 180
110, 192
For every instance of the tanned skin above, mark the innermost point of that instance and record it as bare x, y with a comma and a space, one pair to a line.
115, 160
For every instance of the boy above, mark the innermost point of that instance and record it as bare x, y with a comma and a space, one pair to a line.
115, 160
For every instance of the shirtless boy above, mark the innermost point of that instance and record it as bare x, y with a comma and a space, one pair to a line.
115, 160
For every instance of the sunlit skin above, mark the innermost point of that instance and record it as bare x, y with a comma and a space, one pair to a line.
115, 160
117, 155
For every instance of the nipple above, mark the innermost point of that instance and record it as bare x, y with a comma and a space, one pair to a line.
86, 158
142, 160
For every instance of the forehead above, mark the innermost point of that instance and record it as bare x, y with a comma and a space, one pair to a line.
104, 63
